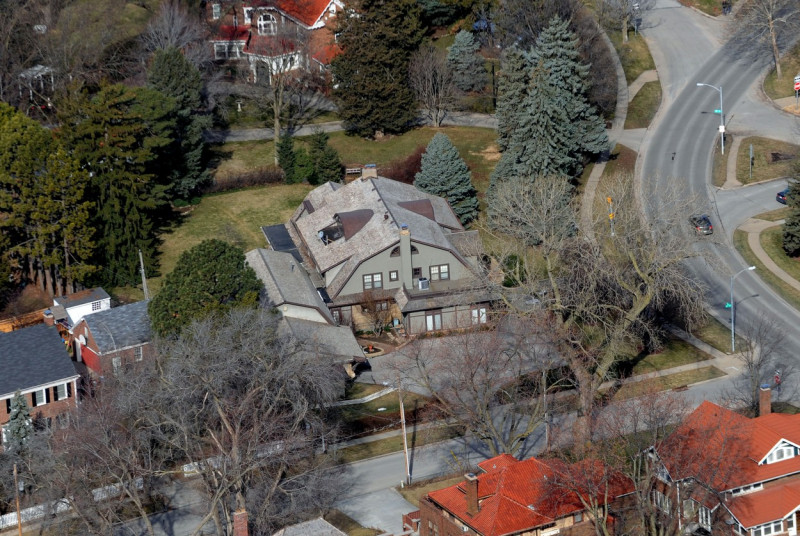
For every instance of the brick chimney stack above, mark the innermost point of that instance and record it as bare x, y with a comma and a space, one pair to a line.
765, 400
472, 494
49, 318
240, 523
406, 270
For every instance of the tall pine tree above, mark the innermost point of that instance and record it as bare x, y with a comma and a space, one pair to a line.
469, 73
327, 164
286, 156
377, 38
512, 86
444, 173
173, 75
791, 226
119, 135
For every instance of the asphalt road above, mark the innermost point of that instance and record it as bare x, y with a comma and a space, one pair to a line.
678, 151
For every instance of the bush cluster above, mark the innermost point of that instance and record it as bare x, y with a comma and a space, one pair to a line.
257, 177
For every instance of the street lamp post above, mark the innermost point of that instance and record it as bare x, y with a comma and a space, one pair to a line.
721, 115
733, 307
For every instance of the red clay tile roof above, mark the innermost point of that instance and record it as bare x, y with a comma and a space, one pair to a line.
722, 448
520, 495
768, 505
306, 11
326, 54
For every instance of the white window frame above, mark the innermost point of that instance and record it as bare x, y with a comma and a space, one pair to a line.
790, 522
704, 517
58, 394
216, 11
248, 15
267, 24
96, 305
661, 501
138, 353
479, 316
394, 275
43, 394
116, 364
781, 453
433, 321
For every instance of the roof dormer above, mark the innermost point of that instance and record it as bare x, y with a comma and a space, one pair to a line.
780, 452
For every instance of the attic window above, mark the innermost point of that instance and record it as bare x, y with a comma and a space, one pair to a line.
784, 452
267, 24
396, 251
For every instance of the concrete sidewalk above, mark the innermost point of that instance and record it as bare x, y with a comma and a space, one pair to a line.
753, 227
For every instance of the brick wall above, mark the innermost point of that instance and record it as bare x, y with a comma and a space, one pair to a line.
49, 410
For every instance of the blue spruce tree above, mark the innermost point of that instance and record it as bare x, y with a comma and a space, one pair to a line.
469, 74
444, 173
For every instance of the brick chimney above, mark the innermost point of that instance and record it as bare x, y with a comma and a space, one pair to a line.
240, 522
49, 318
406, 273
765, 400
472, 494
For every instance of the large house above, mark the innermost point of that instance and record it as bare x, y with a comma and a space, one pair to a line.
382, 251
35, 362
533, 497
274, 36
724, 473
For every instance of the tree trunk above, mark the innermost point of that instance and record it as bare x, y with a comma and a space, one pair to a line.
582, 433
625, 28
776, 55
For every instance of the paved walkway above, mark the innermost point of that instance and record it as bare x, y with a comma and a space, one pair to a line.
753, 227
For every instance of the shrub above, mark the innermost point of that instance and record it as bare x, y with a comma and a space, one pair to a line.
404, 169
257, 177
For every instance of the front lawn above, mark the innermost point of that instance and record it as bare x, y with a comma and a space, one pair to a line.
786, 291
634, 55
642, 109
784, 87
668, 382
676, 352
771, 159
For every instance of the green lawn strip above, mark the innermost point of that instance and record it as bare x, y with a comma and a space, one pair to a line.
389, 405
395, 444
772, 242
235, 217
763, 166
642, 109
668, 382
719, 166
787, 292
418, 490
360, 390
716, 334
784, 87
774, 215
709, 7
634, 55
676, 352
622, 162
348, 525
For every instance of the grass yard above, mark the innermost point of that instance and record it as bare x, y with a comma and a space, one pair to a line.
774, 215
348, 525
235, 217
791, 295
763, 166
709, 7
772, 242
784, 87
415, 492
719, 165
716, 334
359, 390
676, 352
395, 444
642, 109
622, 162
666, 383
634, 55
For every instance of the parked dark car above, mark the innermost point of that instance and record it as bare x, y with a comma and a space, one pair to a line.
702, 224
781, 197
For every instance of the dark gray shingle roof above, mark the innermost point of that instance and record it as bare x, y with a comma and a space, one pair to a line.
120, 327
81, 297
31, 357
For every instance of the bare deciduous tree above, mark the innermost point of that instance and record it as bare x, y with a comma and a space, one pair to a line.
432, 80
494, 383
621, 13
770, 22
175, 27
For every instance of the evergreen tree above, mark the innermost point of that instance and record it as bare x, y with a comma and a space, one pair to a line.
20, 427
303, 166
444, 173
326, 161
212, 276
377, 38
286, 156
119, 134
469, 73
173, 75
791, 226
512, 86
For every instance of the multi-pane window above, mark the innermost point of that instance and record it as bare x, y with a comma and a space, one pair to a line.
393, 275
441, 271
216, 11
705, 518
774, 527
96, 305
39, 397
433, 321
60, 391
137, 353
116, 363
661, 501
337, 316
267, 25
479, 315
224, 51
248, 15
781, 453
372, 281
416, 273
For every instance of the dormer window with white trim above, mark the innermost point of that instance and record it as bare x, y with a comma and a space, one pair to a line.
267, 24
96, 305
783, 451
248, 15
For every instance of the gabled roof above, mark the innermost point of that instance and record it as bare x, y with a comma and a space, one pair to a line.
516, 496
314, 527
722, 448
324, 341
286, 281
768, 505
31, 357
120, 327
82, 297
388, 201
309, 12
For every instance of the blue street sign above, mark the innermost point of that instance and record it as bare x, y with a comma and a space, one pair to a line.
717, 111
728, 305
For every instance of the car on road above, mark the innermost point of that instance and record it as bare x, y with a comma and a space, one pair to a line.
781, 196
702, 224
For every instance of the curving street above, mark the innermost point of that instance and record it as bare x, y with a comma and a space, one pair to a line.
687, 127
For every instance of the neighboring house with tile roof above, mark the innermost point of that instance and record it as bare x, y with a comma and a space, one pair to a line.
35, 362
68, 310
274, 36
523, 497
113, 338
726, 473
376, 244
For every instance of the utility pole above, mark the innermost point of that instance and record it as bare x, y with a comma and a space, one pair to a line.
405, 439
144, 277
16, 493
